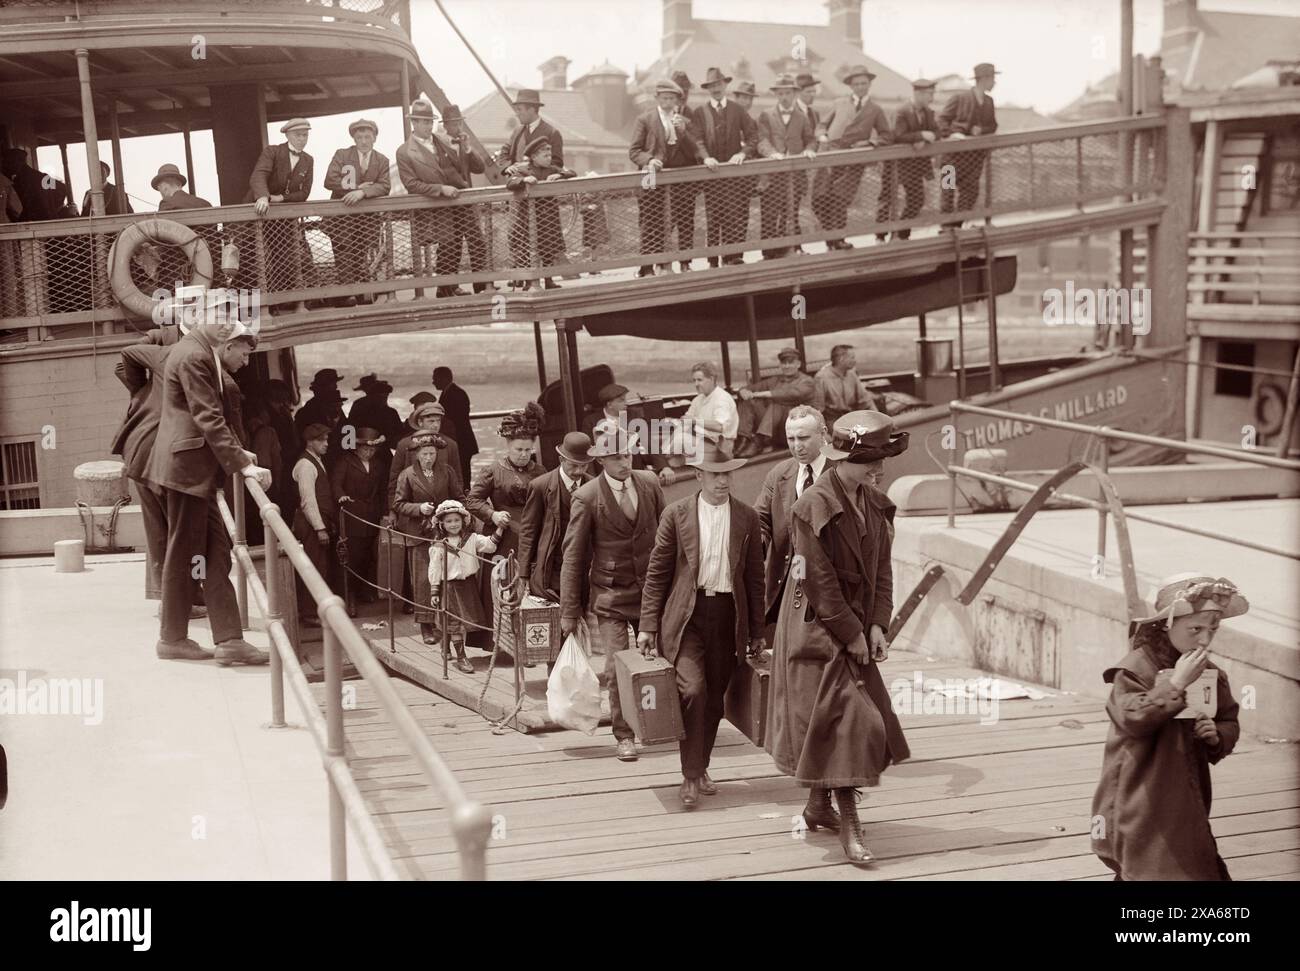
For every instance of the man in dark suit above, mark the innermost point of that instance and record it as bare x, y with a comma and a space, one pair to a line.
664, 139
914, 124
193, 448
283, 173
784, 132
805, 433
606, 552
545, 518
116, 202
325, 401
528, 106
355, 174
704, 592
142, 373
357, 483
30, 185
854, 121
968, 114
430, 167
170, 184
727, 133
809, 86
455, 404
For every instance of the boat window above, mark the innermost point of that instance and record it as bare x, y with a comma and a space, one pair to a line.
19, 488
1236, 384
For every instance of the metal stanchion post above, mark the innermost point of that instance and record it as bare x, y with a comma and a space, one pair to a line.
952, 476
274, 613
392, 637
334, 729
241, 542
1104, 464
344, 567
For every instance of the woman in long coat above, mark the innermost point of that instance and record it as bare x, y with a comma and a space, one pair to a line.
1151, 812
420, 487
833, 726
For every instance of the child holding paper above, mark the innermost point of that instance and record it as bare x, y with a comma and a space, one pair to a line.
1172, 716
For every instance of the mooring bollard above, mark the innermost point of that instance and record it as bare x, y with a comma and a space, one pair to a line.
69, 556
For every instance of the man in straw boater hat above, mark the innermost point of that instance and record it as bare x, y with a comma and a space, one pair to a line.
854, 121
702, 607
513, 155
545, 519
606, 552
968, 114
833, 727
784, 132
727, 134
1172, 716
356, 173
916, 125
664, 138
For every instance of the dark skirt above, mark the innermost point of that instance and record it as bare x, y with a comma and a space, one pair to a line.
418, 567
465, 610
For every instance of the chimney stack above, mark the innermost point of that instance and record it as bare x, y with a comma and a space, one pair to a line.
555, 73
846, 20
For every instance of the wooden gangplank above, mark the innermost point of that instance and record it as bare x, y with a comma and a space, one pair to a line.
1005, 801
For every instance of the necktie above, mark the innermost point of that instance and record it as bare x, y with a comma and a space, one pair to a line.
573, 487
807, 479
625, 503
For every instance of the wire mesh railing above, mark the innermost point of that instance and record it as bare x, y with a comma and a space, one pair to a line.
650, 221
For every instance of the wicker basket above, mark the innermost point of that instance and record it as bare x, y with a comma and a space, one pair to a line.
534, 636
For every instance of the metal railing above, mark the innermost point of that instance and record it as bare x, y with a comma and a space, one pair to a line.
1224, 264
1102, 435
319, 250
383, 13
470, 821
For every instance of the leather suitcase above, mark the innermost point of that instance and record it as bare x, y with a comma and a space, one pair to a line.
387, 557
749, 697
647, 690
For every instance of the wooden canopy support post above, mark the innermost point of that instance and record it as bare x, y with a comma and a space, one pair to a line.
569, 381
1126, 155
91, 133
67, 173
1288, 414
189, 159
541, 355
115, 132
726, 365
406, 98
261, 114
753, 338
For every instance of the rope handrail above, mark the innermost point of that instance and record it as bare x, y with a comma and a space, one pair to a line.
435, 541
471, 822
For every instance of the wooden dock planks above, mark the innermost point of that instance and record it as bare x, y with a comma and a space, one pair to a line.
1008, 800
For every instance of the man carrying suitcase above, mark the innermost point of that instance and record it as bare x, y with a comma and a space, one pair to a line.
704, 592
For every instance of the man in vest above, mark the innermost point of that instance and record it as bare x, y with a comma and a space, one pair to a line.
607, 549
315, 521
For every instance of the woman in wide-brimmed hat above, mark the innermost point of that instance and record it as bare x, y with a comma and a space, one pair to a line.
421, 486
1172, 716
833, 727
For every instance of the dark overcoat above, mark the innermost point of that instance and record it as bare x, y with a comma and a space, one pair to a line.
273, 176
404, 458
775, 500
365, 488
142, 373
668, 600
832, 721
542, 526
1151, 812
415, 488
502, 488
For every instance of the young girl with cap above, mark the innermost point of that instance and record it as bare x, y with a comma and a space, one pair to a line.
1151, 812
460, 593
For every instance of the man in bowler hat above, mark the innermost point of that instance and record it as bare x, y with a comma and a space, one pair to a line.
545, 519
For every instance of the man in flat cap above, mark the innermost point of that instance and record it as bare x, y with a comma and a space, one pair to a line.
354, 174
854, 121
915, 125
432, 167
765, 403
611, 404
527, 107
535, 228
283, 173
727, 134
702, 606
968, 114
784, 132
665, 138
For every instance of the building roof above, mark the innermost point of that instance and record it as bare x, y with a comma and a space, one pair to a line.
759, 52
493, 121
1010, 117
1230, 46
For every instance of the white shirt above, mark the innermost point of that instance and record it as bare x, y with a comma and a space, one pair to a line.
462, 561
719, 105
293, 159
304, 473
818, 467
667, 119
717, 406
715, 545
364, 160
568, 483
618, 487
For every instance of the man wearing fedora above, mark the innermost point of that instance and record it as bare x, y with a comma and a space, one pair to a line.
545, 519
664, 138
968, 114
809, 87
320, 406
784, 132
373, 411
702, 607
915, 125
833, 727
456, 421
357, 482
430, 167
283, 173
170, 184
116, 201
354, 174
854, 121
727, 134
513, 154
606, 552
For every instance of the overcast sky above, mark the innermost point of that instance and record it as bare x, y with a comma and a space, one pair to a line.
1048, 52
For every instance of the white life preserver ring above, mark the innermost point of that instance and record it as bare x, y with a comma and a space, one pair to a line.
153, 231
1269, 397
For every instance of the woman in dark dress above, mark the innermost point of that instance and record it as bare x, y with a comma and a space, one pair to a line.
420, 488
